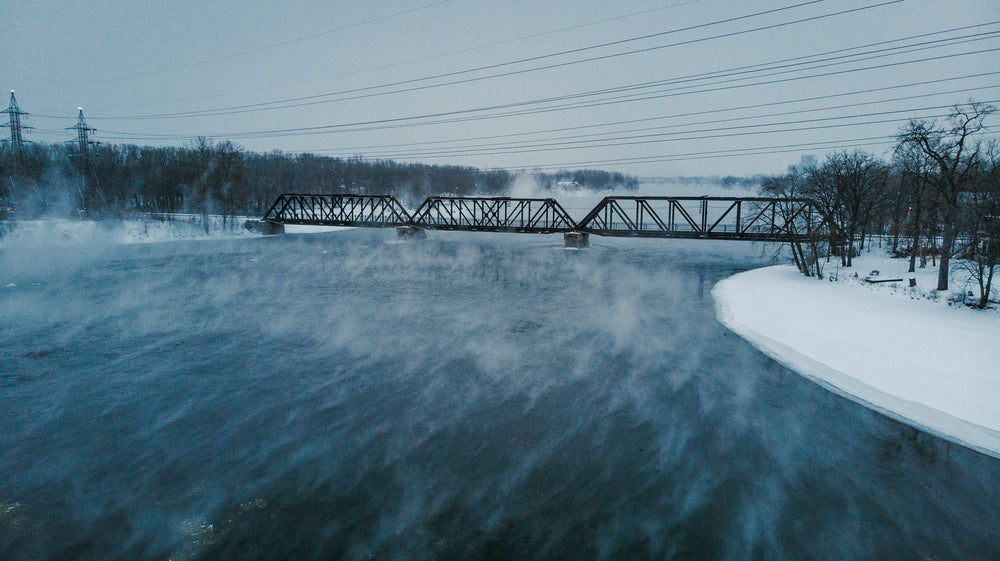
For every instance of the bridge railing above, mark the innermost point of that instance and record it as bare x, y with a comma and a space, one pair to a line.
338, 210
493, 214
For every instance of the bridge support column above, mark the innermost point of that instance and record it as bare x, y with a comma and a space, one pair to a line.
410, 233
578, 240
264, 227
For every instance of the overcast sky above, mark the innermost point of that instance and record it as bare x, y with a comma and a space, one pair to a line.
678, 87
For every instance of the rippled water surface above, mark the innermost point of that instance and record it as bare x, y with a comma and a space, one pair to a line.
345, 396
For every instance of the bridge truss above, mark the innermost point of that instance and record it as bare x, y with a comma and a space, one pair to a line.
724, 218
493, 214
370, 211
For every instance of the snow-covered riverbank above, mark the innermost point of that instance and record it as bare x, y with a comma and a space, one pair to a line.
64, 231
144, 229
931, 365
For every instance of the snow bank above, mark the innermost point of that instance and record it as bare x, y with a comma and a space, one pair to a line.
931, 366
67, 232
301, 229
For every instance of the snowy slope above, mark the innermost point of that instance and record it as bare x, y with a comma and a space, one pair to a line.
930, 365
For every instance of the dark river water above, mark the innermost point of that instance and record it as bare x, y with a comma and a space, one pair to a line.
470, 396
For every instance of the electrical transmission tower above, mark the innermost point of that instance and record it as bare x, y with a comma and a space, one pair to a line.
89, 194
17, 129
83, 135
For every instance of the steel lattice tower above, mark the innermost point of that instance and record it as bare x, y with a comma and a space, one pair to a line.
89, 194
17, 128
83, 134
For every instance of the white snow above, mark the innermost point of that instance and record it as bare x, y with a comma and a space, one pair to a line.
69, 232
931, 363
302, 229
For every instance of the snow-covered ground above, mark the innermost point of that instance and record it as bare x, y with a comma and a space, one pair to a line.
912, 354
68, 232
62, 231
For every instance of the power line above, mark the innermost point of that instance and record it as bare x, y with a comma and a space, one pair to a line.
737, 152
721, 132
469, 114
709, 154
726, 110
407, 121
840, 144
701, 123
754, 106
685, 90
435, 56
742, 77
537, 58
723, 73
250, 51
748, 69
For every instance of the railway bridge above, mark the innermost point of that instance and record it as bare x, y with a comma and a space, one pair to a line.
719, 218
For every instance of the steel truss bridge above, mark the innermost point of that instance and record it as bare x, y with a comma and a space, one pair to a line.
720, 218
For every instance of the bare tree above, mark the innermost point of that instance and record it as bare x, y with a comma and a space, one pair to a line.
803, 226
954, 147
981, 219
851, 188
913, 169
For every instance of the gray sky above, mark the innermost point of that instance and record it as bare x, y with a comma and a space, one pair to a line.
651, 88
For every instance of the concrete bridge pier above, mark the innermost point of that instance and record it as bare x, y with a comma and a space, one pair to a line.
578, 240
410, 233
264, 227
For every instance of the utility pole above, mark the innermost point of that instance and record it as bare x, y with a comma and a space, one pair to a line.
88, 193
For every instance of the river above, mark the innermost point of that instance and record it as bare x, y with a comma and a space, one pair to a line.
468, 396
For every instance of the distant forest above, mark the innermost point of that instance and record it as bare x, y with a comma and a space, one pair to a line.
222, 178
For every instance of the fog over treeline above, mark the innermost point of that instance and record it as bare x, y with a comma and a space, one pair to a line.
223, 178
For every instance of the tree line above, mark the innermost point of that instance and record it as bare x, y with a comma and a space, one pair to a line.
936, 198
222, 178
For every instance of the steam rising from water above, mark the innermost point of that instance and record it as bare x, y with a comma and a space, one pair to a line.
578, 201
471, 396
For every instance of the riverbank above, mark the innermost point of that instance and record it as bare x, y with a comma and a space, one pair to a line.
927, 361
140, 229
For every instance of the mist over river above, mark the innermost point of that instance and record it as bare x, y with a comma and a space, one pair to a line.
468, 396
